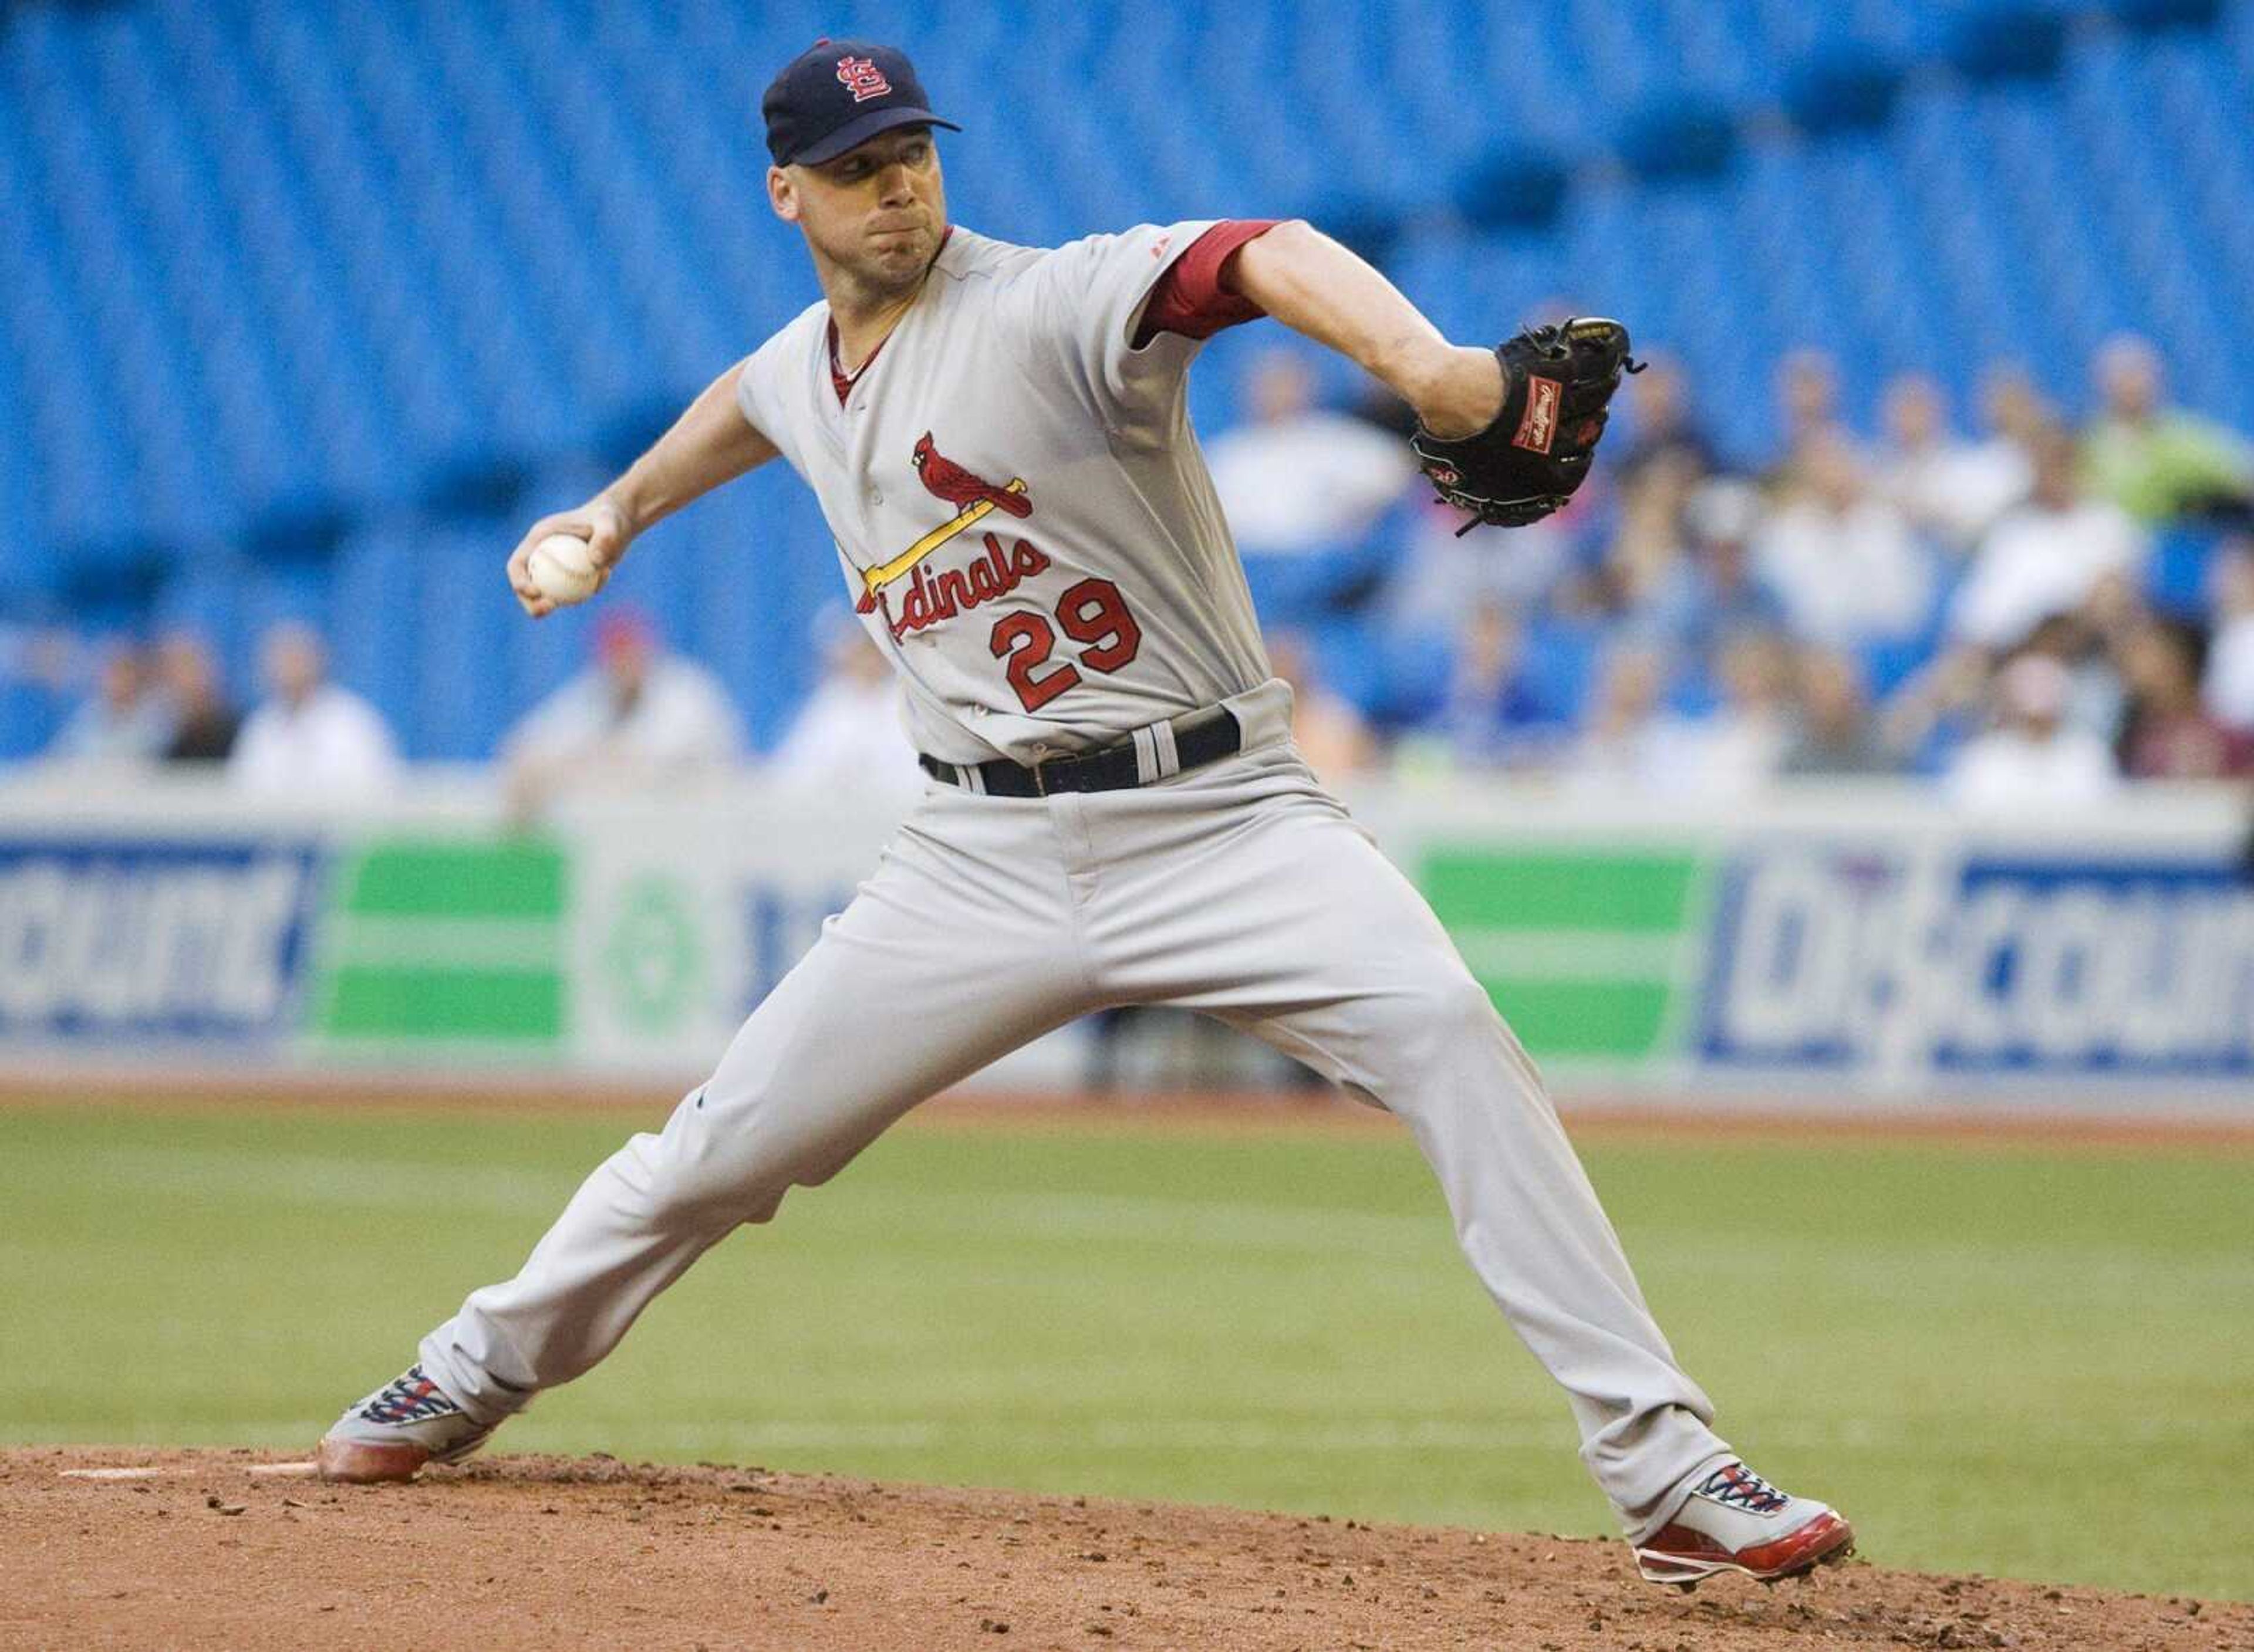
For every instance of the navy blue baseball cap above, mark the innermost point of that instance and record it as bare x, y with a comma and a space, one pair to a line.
837, 93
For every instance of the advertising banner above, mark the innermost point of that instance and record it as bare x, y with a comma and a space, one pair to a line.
1830, 948
125, 940
1836, 957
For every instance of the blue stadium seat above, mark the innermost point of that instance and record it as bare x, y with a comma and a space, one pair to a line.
465, 617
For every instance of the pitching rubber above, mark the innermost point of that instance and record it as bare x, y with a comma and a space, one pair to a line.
358, 1463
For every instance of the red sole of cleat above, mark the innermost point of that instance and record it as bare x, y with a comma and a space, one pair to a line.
1824, 1542
1828, 1541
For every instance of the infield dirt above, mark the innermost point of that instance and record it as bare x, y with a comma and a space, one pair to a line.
534, 1551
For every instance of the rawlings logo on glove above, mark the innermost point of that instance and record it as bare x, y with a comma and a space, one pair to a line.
1557, 380
1539, 427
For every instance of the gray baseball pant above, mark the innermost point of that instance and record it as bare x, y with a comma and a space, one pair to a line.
1241, 889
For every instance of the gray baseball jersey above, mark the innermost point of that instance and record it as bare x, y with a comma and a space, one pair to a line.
1023, 517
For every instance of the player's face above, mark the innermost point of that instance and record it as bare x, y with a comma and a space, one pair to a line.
877, 211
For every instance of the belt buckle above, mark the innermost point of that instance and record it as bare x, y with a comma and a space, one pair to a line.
1040, 780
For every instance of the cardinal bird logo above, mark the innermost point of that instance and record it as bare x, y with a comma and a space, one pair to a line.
974, 498
950, 481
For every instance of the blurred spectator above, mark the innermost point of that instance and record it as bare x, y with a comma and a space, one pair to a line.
1949, 488
1292, 474
311, 738
206, 726
850, 736
1643, 578
126, 719
1494, 713
2013, 407
1841, 559
37, 687
1665, 429
2094, 695
2015, 416
1721, 594
1442, 576
2158, 462
1736, 750
1634, 744
42, 657
1808, 416
2227, 684
1621, 747
1835, 733
1637, 747
2033, 759
2044, 557
1808, 393
635, 710
2168, 735
1933, 714
1329, 733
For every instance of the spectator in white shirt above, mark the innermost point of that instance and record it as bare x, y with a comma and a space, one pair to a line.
1949, 488
312, 739
127, 719
1294, 478
848, 737
2045, 556
2227, 684
636, 711
1841, 559
2034, 760
1301, 489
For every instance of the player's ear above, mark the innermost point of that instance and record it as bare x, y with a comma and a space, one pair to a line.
782, 194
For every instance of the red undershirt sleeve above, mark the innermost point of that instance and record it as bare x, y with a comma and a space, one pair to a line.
1189, 299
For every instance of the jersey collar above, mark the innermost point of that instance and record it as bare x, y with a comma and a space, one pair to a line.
843, 381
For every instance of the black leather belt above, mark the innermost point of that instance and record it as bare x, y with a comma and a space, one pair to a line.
1198, 738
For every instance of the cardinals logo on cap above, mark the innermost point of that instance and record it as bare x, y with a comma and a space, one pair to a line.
862, 78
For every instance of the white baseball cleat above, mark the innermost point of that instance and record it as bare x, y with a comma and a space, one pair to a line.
1732, 1519
392, 1433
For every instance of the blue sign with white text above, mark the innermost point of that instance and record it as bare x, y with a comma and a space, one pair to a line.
102, 943
1847, 957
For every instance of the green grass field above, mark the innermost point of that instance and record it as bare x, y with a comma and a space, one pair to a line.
1995, 1359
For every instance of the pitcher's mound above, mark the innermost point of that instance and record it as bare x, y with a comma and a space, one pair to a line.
217, 1549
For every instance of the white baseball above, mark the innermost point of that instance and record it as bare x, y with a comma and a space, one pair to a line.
564, 568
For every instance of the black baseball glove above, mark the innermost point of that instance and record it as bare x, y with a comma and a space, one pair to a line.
1557, 380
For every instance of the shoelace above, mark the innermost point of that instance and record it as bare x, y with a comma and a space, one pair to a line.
1738, 1487
413, 1399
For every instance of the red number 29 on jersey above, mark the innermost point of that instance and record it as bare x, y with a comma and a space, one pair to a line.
1092, 613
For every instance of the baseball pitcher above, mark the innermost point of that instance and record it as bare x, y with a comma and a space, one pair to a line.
1113, 811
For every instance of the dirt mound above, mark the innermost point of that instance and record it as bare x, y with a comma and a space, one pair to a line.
230, 1549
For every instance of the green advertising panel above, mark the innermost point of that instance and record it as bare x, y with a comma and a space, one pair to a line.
1582, 951
445, 941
